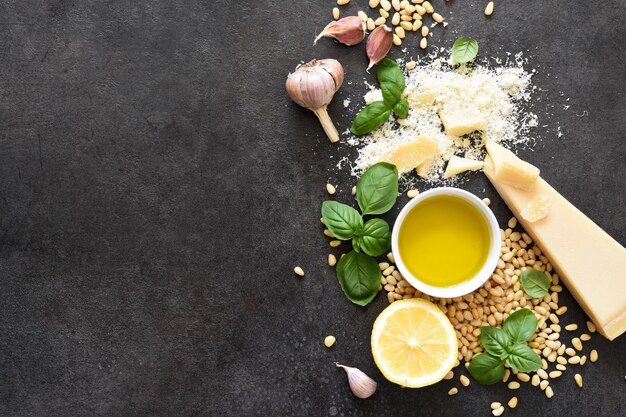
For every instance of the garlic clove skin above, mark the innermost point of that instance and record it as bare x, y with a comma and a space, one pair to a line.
361, 385
348, 30
379, 43
313, 86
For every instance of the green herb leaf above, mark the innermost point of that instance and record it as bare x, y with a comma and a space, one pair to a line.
392, 94
389, 72
375, 238
464, 50
486, 369
535, 283
359, 277
342, 220
523, 359
495, 340
520, 325
377, 189
401, 108
370, 117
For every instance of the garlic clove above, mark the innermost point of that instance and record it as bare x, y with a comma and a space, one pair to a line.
348, 30
378, 44
361, 385
334, 68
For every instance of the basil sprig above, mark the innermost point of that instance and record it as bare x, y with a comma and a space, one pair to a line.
506, 344
535, 283
358, 272
392, 84
464, 50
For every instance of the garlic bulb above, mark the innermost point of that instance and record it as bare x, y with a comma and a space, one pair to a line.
313, 86
361, 385
349, 30
378, 44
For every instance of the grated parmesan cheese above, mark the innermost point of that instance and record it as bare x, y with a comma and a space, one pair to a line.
493, 95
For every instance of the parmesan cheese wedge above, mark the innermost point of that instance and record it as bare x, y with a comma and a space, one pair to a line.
509, 169
457, 165
407, 156
590, 262
459, 122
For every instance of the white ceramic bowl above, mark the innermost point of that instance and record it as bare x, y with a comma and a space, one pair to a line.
492, 258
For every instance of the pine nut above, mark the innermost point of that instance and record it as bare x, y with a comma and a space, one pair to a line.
437, 17
561, 367
412, 193
342, 2
389, 270
570, 351
535, 380
561, 310
489, 9
354, 188
400, 32
464, 380
577, 344
428, 7
370, 26
383, 265
385, 4
487, 201
380, 21
513, 385
335, 13
330, 189
424, 31
329, 341
453, 391
523, 377
395, 20
391, 258
512, 402
298, 271
334, 243
423, 43
362, 15
507, 374
498, 411
591, 327
374, 3
396, 5
579, 380
390, 297
449, 375
555, 374
407, 26
583, 360
585, 337
549, 392
574, 360
332, 259
561, 360
593, 356
542, 373
495, 405
554, 319
396, 40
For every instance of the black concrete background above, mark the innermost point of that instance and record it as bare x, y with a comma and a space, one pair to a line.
157, 187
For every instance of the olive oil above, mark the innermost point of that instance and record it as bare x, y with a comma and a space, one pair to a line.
444, 241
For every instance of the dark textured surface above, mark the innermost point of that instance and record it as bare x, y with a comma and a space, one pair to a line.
157, 188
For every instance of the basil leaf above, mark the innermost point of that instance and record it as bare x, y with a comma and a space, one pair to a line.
359, 277
392, 94
375, 238
401, 108
464, 50
495, 340
520, 325
389, 72
377, 189
535, 283
486, 369
370, 117
523, 359
342, 220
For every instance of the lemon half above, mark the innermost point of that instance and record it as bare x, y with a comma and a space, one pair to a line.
414, 343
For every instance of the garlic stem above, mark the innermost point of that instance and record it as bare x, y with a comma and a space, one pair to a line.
327, 124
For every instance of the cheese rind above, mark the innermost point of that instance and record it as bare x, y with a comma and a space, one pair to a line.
589, 261
509, 169
410, 155
457, 165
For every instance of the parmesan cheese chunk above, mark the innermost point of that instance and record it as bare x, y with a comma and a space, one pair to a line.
407, 156
457, 165
536, 209
459, 122
589, 261
508, 168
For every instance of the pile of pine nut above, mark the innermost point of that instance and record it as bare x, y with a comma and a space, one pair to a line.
403, 15
491, 304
